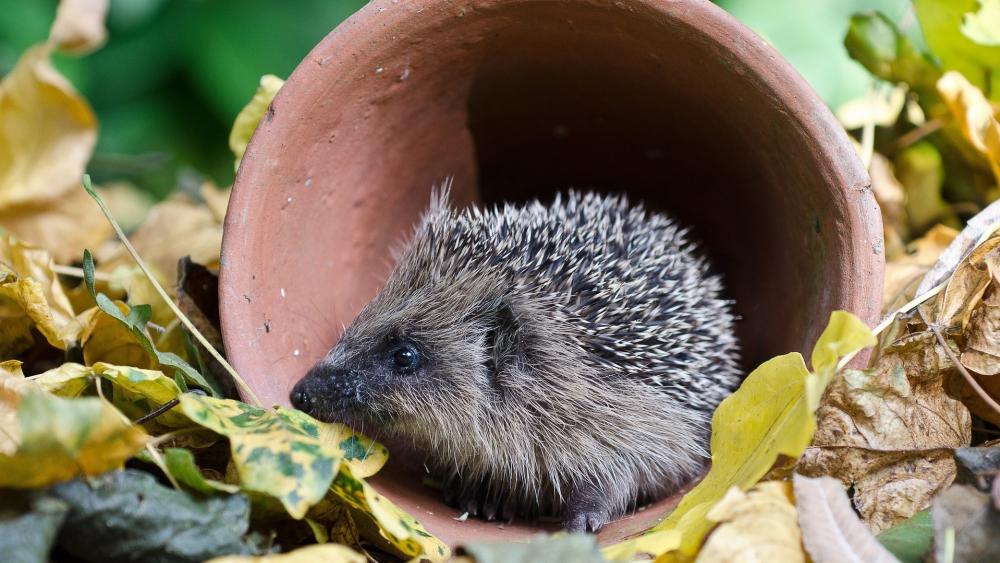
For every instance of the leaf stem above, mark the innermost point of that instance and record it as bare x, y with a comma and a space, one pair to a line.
75, 272
247, 391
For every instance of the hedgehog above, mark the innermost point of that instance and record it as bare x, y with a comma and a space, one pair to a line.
548, 361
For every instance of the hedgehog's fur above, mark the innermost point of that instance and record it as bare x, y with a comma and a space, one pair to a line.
571, 356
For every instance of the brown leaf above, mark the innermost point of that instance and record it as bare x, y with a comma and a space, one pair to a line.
47, 134
831, 530
890, 431
79, 26
974, 115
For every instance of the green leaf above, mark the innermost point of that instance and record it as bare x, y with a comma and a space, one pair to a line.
941, 22
181, 465
28, 526
276, 452
911, 539
136, 321
127, 516
874, 41
543, 549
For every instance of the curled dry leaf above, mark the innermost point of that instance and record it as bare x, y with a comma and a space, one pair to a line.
756, 526
977, 230
47, 134
831, 531
975, 116
889, 431
31, 297
79, 26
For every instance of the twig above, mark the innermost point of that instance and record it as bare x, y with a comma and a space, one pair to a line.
157, 411
166, 298
914, 135
958, 365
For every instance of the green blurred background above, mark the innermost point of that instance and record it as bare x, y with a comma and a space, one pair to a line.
174, 73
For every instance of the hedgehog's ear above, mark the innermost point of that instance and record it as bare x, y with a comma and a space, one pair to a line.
504, 336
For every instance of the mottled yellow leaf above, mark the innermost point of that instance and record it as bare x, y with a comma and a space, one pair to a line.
47, 134
399, 530
277, 452
363, 456
62, 438
325, 553
79, 26
248, 118
134, 391
759, 526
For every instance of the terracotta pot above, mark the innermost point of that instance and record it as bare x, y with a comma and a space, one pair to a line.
672, 101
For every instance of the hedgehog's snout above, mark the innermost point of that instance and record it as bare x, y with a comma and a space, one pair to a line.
326, 391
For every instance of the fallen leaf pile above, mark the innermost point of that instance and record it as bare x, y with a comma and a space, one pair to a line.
121, 436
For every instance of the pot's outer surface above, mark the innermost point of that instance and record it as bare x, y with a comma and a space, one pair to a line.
674, 102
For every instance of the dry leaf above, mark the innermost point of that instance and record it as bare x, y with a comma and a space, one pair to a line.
47, 134
831, 531
974, 114
175, 228
891, 198
953, 308
890, 431
31, 297
757, 526
79, 26
977, 230
903, 273
966, 526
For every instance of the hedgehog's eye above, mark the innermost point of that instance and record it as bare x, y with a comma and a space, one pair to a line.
405, 358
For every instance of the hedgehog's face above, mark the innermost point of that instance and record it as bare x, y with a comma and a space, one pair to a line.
407, 368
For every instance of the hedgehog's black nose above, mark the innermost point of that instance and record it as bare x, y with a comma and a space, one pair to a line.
302, 399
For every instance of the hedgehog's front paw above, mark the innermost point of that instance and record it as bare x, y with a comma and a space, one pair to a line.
588, 510
477, 500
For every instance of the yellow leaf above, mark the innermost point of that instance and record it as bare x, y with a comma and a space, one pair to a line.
844, 335
13, 386
251, 114
768, 416
47, 134
104, 339
757, 526
30, 297
975, 117
655, 542
62, 438
325, 553
79, 26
